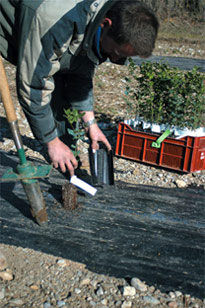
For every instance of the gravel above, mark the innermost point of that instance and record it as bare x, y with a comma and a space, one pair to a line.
41, 281
37, 280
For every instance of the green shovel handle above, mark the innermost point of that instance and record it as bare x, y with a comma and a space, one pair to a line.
157, 143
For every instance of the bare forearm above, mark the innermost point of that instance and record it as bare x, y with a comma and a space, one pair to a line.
88, 115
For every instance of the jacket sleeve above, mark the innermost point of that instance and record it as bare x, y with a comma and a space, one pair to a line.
38, 61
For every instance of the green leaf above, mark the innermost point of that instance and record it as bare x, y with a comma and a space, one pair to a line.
70, 132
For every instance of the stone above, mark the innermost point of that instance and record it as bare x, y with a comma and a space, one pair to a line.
104, 301
3, 262
6, 276
152, 289
46, 305
180, 183
99, 291
94, 283
118, 303
63, 263
34, 287
16, 301
135, 171
60, 303
126, 304
178, 293
151, 300
172, 304
92, 303
138, 284
129, 291
77, 291
56, 296
85, 281
2, 293
172, 294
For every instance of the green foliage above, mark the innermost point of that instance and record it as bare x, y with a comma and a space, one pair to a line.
161, 94
73, 116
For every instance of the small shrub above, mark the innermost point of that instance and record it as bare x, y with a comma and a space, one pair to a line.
74, 117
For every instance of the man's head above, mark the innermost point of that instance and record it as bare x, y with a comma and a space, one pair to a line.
129, 29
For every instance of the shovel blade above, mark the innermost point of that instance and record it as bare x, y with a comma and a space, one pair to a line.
36, 201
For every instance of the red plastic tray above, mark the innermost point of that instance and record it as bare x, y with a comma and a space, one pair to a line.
186, 154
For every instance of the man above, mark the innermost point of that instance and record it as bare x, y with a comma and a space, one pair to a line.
56, 45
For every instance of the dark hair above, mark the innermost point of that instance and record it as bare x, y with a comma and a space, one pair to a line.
135, 23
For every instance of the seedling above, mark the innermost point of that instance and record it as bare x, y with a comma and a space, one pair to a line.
76, 131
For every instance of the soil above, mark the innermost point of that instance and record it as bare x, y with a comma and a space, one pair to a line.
69, 196
109, 107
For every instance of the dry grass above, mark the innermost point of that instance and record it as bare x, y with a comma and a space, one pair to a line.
187, 31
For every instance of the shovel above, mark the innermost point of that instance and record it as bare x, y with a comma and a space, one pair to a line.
27, 173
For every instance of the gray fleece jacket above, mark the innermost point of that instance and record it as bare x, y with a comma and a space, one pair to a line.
43, 37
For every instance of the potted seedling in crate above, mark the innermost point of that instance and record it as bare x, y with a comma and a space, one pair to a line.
164, 99
166, 96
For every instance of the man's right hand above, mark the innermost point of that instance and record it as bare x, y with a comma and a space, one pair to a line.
61, 156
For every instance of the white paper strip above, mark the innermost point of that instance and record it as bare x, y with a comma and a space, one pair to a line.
83, 185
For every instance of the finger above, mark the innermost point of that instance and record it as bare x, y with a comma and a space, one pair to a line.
95, 145
107, 144
62, 167
70, 168
55, 165
74, 163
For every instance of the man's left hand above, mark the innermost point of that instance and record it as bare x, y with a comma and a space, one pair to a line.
96, 135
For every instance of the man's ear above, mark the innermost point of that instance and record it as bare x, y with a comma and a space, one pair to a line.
106, 22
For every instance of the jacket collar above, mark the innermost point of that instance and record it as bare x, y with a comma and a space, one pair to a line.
92, 30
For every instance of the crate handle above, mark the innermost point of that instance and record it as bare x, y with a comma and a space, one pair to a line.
157, 143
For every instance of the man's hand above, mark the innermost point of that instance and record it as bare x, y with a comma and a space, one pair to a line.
62, 156
97, 135
94, 131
